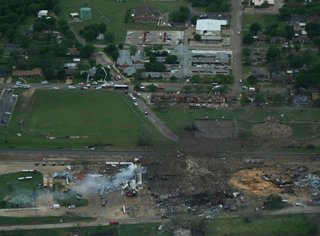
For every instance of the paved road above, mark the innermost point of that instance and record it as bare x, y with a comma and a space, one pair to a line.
156, 121
235, 26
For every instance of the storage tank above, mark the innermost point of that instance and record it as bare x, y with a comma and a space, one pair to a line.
85, 13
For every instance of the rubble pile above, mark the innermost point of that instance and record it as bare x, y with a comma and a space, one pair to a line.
192, 100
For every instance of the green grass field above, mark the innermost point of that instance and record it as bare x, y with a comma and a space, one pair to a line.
76, 119
112, 13
10, 186
297, 118
263, 20
284, 225
4, 220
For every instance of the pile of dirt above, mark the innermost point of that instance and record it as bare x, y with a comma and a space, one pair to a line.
271, 130
250, 180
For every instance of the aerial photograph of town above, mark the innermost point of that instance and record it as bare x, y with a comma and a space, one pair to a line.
159, 117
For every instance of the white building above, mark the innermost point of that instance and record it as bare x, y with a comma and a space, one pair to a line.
210, 29
258, 3
42, 13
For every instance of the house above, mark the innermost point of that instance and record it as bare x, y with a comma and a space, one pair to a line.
258, 3
42, 13
210, 29
70, 66
145, 14
261, 37
278, 40
3, 72
73, 52
261, 74
302, 38
36, 72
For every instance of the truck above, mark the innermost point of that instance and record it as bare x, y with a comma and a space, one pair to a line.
55, 206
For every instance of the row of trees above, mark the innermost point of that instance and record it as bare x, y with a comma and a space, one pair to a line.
213, 5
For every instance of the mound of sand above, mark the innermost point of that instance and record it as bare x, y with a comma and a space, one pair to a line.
271, 130
250, 180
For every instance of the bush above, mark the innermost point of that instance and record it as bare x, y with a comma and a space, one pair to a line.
273, 202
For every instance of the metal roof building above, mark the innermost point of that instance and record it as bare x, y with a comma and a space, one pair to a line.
209, 25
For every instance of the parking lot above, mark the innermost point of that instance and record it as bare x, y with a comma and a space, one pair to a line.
169, 38
7, 102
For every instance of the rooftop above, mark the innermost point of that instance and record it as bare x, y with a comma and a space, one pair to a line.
210, 24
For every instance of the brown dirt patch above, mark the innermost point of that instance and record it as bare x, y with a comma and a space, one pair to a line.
251, 181
28, 93
216, 129
271, 130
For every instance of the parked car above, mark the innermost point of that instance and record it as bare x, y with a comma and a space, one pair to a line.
71, 206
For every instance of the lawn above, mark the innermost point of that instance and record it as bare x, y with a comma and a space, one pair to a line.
4, 220
112, 13
77, 119
289, 225
114, 230
263, 20
12, 187
298, 118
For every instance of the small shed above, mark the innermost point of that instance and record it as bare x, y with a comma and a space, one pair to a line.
42, 13
85, 13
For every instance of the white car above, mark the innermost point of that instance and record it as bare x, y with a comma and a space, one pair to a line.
44, 82
71, 87
56, 88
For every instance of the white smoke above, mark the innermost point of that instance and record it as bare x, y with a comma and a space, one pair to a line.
96, 183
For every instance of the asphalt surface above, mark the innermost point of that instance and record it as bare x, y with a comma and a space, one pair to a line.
236, 36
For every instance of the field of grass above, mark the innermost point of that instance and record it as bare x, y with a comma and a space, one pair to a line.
112, 13
114, 230
4, 220
297, 118
76, 119
290, 225
11, 186
284, 225
263, 20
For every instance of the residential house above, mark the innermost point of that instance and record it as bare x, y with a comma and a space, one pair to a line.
36, 72
145, 14
261, 74
258, 3
73, 52
3, 72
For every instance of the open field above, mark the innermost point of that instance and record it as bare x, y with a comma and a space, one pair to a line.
269, 225
76, 119
263, 20
41, 220
12, 187
115, 230
112, 13
177, 119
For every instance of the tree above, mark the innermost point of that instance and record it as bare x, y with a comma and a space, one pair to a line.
49, 74
248, 39
180, 16
252, 80
273, 202
171, 59
313, 29
255, 28
246, 52
86, 51
113, 51
197, 37
272, 53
